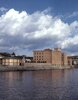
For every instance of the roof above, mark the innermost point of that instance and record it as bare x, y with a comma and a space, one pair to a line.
48, 49
73, 57
14, 57
5, 54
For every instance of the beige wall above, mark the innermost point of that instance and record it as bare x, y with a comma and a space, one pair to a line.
38, 56
11, 62
43, 56
55, 57
47, 55
65, 59
70, 61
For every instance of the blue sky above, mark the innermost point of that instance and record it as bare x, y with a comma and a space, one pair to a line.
58, 6
27, 25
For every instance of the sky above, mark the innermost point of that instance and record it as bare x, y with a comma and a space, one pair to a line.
27, 25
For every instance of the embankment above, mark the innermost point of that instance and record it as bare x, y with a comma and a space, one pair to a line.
32, 67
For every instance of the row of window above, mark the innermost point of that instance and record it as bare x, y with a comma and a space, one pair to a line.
11, 61
39, 53
37, 59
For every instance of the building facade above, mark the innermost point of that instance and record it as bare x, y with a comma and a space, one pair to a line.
73, 60
12, 61
2, 55
55, 57
42, 56
69, 60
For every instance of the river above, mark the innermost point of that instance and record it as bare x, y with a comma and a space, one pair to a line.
39, 85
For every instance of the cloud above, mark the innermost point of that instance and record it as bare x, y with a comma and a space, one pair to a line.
2, 9
23, 32
74, 14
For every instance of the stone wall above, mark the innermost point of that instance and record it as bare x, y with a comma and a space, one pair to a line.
32, 67
44, 66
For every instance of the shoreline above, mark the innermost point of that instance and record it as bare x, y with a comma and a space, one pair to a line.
32, 67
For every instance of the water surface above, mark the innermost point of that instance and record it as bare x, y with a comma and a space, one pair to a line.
39, 85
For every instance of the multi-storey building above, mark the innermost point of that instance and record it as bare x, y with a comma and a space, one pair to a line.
55, 57
43, 56
64, 59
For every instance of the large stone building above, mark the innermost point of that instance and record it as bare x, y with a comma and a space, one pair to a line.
55, 57
42, 56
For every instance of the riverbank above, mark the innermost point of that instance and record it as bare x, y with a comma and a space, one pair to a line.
32, 67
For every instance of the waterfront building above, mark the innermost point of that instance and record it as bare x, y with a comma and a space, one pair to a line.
2, 55
70, 60
7, 59
42, 56
73, 60
55, 57
28, 59
12, 61
64, 59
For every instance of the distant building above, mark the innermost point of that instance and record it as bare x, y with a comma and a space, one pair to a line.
28, 59
12, 61
72, 60
69, 60
47, 55
43, 56
55, 57
8, 59
2, 55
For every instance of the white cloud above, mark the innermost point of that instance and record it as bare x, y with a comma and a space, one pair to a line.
74, 14
70, 41
23, 31
2, 9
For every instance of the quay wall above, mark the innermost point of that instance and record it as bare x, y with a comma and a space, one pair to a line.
32, 67
44, 66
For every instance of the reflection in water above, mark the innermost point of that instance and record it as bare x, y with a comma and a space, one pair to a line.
39, 85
